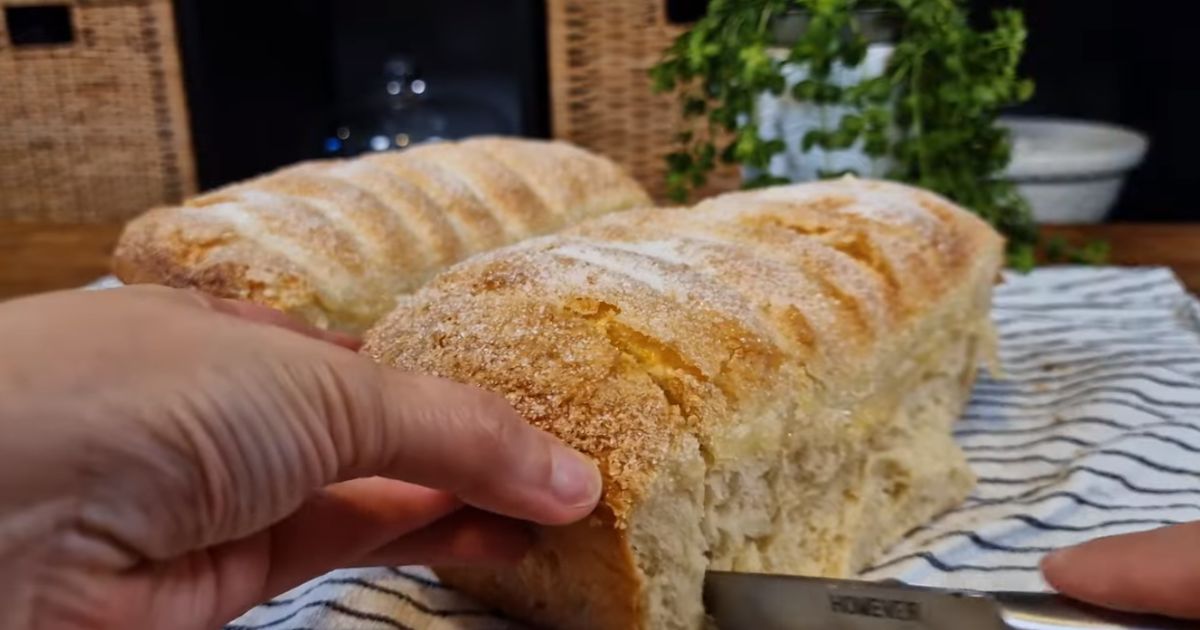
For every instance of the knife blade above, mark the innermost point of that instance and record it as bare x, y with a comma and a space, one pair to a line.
748, 601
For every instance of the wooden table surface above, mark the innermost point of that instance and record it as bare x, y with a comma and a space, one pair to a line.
38, 257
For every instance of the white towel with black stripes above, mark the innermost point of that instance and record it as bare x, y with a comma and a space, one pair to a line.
1094, 430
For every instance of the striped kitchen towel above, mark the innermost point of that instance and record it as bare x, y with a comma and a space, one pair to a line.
1093, 430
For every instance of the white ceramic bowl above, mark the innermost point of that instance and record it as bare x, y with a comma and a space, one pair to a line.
1071, 171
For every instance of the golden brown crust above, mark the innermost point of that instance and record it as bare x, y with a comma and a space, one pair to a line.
503, 191
627, 331
433, 235
334, 241
608, 597
188, 239
568, 177
476, 226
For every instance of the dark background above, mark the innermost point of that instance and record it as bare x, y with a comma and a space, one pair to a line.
270, 79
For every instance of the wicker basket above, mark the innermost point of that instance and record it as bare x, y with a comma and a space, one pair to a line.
92, 128
600, 55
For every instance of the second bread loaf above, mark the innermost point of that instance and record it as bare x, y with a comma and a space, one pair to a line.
334, 242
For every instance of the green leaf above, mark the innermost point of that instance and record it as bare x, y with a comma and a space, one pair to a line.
1055, 248
828, 93
1024, 90
876, 146
876, 91
776, 84
754, 60
1021, 258
853, 124
679, 161
805, 90
854, 52
663, 77
746, 149
705, 156
728, 155
824, 174
821, 67
1094, 253
813, 138
677, 188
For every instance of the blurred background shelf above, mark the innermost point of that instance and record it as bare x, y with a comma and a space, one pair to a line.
39, 257
153, 98
124, 104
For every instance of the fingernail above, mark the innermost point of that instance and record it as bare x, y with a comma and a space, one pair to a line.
1056, 558
575, 479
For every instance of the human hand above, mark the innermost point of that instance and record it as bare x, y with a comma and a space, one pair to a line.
1157, 571
169, 460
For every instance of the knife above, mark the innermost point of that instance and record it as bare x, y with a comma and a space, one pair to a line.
747, 601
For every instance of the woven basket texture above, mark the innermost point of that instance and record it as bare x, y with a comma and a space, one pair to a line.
94, 130
601, 52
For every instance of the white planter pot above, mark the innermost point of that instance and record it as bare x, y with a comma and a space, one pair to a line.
785, 118
1071, 171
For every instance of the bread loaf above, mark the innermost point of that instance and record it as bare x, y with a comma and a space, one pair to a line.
335, 241
767, 380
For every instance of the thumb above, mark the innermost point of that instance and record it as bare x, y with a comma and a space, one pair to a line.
460, 439
433, 432
1155, 572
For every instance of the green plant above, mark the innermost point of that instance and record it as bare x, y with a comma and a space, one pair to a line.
1057, 249
932, 113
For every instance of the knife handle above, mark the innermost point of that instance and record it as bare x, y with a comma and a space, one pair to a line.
1047, 611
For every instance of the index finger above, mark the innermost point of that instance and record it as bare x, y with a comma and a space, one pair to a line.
1156, 571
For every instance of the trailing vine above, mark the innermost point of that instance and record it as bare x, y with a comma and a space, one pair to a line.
931, 114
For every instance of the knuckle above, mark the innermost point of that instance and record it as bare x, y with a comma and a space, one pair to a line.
489, 432
500, 426
498, 443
